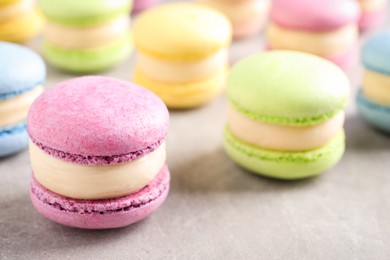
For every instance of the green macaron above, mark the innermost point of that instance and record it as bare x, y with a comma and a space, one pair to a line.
287, 92
86, 36
87, 60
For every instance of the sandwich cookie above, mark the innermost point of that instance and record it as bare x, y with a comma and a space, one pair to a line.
182, 53
97, 152
373, 100
19, 20
325, 28
23, 72
285, 114
86, 36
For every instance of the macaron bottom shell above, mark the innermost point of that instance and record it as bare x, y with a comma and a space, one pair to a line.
101, 214
284, 165
13, 139
87, 60
376, 114
184, 95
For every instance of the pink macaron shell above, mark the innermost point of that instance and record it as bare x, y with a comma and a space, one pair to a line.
101, 214
97, 116
372, 19
140, 5
314, 15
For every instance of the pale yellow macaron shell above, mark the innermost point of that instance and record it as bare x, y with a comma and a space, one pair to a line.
181, 31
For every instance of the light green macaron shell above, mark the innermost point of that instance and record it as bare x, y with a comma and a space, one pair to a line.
284, 165
83, 12
287, 88
87, 60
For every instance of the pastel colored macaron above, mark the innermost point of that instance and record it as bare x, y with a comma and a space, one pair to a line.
248, 17
23, 73
86, 36
325, 28
374, 13
285, 114
373, 100
182, 53
140, 5
98, 153
19, 20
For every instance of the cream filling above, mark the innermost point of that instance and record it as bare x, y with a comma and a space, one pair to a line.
181, 71
239, 11
320, 43
13, 10
86, 37
14, 110
372, 5
283, 138
95, 182
376, 87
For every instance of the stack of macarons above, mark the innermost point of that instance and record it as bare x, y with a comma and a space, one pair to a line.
140, 5
374, 13
285, 114
248, 17
98, 153
373, 100
23, 73
19, 20
325, 28
86, 36
182, 53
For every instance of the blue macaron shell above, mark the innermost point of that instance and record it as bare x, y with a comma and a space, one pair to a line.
376, 114
376, 53
13, 139
21, 70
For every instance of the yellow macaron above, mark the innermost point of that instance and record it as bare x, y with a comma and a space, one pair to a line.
182, 53
19, 21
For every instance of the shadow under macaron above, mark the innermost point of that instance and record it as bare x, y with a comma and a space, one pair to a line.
363, 136
215, 172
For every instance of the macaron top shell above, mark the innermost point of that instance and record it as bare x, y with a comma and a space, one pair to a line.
181, 31
22, 69
314, 15
85, 12
376, 53
287, 88
97, 116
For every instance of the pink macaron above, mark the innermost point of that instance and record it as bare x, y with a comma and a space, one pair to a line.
326, 28
248, 17
97, 152
140, 5
374, 14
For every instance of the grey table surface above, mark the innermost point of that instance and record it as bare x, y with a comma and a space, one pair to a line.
217, 210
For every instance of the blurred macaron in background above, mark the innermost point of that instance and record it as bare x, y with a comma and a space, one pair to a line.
20, 20
86, 36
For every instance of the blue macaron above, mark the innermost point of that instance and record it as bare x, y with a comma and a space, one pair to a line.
375, 59
23, 73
